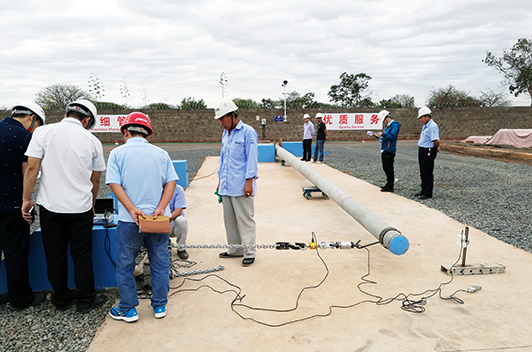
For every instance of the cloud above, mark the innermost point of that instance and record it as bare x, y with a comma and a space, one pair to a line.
168, 50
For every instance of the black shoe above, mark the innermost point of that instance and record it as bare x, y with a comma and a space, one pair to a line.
302, 159
182, 255
64, 305
38, 298
386, 189
227, 255
424, 197
98, 301
418, 194
3, 298
248, 261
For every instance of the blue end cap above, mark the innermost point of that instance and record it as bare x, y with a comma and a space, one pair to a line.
399, 245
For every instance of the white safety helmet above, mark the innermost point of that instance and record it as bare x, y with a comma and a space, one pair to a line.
86, 108
224, 107
29, 109
319, 115
423, 111
383, 114
306, 116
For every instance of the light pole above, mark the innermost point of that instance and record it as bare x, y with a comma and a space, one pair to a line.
285, 82
223, 83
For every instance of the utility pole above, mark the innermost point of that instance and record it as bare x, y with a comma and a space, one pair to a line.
285, 82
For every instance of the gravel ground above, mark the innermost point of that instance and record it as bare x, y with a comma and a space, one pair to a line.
493, 196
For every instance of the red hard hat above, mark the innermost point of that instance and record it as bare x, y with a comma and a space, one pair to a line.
137, 119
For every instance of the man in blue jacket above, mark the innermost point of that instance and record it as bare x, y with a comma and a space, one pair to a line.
388, 139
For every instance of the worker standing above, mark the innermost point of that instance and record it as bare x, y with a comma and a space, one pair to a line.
142, 177
71, 161
308, 133
429, 146
388, 139
321, 137
236, 184
15, 135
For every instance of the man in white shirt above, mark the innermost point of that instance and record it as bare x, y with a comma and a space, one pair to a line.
71, 162
308, 133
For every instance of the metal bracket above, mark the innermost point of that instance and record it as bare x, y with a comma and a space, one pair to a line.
474, 269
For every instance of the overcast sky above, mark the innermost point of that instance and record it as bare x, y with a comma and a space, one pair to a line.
167, 50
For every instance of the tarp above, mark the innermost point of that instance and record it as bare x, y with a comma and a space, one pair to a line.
516, 138
477, 139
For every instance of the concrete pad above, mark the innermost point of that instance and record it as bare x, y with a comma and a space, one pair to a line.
199, 319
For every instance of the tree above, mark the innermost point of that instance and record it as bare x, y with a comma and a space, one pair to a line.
349, 93
159, 106
57, 96
295, 101
246, 103
102, 105
268, 103
96, 87
516, 66
192, 104
124, 90
492, 99
398, 101
450, 97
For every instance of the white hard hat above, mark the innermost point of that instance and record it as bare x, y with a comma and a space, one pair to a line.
86, 108
224, 107
29, 109
383, 114
423, 111
319, 115
306, 116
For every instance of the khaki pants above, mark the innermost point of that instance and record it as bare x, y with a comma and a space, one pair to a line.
240, 224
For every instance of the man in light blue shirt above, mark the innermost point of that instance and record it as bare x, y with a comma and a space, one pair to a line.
143, 179
308, 133
237, 174
429, 146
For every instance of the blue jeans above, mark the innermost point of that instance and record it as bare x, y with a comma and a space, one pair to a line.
319, 149
128, 243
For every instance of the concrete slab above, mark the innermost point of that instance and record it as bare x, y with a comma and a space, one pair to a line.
199, 319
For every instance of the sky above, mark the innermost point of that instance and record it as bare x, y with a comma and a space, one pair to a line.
167, 50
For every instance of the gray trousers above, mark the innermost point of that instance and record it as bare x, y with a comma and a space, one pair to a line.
240, 224
179, 229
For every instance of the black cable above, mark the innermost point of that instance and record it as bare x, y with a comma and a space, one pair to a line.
201, 177
407, 303
107, 246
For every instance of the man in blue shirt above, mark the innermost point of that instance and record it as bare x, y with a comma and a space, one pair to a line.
388, 139
178, 222
236, 185
15, 135
429, 146
143, 179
